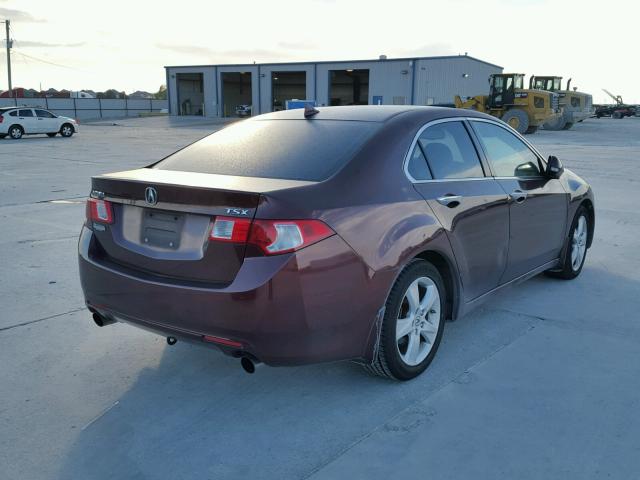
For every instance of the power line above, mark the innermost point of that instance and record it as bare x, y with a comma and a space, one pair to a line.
46, 61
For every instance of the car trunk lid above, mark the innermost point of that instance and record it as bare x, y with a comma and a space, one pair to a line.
162, 221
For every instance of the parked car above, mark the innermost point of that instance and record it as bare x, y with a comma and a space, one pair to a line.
243, 110
18, 121
331, 234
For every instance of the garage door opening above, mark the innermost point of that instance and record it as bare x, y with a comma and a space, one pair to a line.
349, 87
287, 86
190, 94
236, 94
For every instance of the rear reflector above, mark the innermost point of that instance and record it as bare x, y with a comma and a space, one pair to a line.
99, 211
230, 229
222, 341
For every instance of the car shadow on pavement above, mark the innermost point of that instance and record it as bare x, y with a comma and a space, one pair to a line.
198, 415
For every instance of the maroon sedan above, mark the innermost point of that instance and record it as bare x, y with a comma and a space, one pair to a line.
340, 233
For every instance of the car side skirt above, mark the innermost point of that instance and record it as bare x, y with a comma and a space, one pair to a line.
476, 302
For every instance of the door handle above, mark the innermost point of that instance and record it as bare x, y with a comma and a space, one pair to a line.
450, 201
518, 196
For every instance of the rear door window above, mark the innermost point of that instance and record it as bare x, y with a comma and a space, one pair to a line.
44, 114
311, 150
450, 151
26, 113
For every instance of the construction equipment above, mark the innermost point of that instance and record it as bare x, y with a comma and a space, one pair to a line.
576, 106
619, 110
524, 110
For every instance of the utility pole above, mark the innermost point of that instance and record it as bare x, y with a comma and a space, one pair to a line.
7, 24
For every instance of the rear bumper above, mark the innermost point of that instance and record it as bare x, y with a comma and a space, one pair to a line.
318, 304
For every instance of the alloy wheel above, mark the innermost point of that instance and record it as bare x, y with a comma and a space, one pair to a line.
418, 321
579, 243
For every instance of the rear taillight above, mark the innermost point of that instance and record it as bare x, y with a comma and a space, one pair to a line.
1, 119
282, 236
99, 211
230, 229
273, 237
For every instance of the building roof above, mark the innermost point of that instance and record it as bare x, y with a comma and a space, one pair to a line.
442, 57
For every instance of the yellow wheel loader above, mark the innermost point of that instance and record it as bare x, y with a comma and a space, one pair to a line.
576, 106
524, 110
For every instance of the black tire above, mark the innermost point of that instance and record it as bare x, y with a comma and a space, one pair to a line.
531, 130
569, 270
51, 135
388, 361
567, 126
66, 130
16, 132
557, 124
517, 119
617, 115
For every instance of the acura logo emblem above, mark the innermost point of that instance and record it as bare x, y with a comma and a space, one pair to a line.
151, 195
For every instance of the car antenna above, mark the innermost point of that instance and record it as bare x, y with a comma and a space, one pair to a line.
310, 111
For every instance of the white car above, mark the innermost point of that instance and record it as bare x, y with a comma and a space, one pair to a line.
18, 121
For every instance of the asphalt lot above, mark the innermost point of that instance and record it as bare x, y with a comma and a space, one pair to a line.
541, 382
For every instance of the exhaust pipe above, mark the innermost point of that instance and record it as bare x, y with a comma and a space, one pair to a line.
172, 340
102, 321
249, 365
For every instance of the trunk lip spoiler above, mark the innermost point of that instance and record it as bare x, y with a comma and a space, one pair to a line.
206, 181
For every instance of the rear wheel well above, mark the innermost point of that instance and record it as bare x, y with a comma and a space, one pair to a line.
592, 219
446, 271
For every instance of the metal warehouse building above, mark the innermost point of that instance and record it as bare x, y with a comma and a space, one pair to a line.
216, 90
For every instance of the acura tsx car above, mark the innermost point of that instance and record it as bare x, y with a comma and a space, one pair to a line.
338, 233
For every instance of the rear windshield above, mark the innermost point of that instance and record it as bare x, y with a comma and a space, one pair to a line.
311, 150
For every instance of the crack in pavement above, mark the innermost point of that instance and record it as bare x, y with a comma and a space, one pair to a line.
2, 329
37, 202
424, 399
611, 330
47, 240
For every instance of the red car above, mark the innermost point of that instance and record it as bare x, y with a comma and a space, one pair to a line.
332, 234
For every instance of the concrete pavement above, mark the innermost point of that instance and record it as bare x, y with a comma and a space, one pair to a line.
541, 382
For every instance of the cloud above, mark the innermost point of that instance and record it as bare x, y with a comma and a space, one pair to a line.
235, 55
19, 16
297, 46
432, 49
32, 44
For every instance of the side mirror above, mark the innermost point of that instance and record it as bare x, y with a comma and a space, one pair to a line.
554, 167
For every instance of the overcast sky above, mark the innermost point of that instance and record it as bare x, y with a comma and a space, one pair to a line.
125, 44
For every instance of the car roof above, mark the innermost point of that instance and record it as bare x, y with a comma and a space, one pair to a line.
368, 113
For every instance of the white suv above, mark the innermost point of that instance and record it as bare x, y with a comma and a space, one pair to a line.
18, 121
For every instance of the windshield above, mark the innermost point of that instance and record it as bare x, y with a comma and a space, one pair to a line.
311, 150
